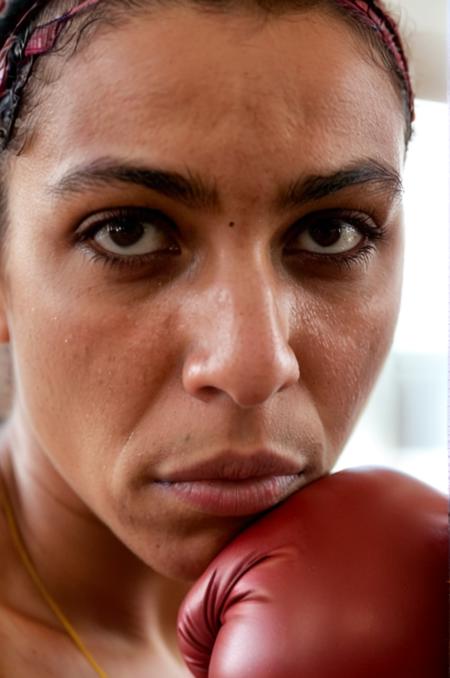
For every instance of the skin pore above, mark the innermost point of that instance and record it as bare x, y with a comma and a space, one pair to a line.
229, 339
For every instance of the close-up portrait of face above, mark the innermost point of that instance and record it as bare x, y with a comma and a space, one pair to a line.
201, 265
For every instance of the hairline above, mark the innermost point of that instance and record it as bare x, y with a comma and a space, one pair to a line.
110, 14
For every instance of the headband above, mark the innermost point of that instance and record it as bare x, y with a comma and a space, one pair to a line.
20, 46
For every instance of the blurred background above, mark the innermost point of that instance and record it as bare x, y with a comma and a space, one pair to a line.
405, 423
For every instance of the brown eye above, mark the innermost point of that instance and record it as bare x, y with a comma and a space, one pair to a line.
134, 236
327, 235
126, 235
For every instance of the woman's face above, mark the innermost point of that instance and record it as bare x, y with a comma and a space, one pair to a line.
245, 294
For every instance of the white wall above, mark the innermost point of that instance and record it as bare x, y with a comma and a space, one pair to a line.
405, 423
424, 27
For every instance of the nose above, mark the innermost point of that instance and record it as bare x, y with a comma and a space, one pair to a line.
240, 345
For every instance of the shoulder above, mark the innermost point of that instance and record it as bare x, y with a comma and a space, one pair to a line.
29, 648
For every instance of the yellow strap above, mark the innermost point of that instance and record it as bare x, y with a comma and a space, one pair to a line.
26, 560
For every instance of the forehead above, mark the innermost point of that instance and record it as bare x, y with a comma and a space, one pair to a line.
177, 86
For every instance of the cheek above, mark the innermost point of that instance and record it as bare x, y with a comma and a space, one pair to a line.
88, 365
342, 347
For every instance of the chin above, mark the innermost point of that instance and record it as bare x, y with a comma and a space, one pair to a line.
185, 559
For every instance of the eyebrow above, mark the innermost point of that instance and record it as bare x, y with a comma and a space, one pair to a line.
194, 192
190, 190
380, 176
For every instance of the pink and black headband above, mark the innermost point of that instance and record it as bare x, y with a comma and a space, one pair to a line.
20, 46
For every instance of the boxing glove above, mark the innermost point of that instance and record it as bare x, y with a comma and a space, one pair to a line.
347, 578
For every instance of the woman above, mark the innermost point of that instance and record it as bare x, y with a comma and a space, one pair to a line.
201, 274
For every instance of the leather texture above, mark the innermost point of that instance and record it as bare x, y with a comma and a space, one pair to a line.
347, 578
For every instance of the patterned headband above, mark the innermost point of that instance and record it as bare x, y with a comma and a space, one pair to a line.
20, 46
19, 50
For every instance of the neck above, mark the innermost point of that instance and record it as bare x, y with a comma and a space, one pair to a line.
100, 585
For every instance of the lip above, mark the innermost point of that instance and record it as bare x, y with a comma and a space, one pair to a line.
232, 497
234, 484
233, 465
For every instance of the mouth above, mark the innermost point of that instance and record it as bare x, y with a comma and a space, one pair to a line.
234, 484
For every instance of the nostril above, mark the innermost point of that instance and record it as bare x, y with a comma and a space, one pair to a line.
248, 381
207, 393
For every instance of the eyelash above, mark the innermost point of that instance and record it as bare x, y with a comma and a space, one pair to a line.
363, 223
116, 216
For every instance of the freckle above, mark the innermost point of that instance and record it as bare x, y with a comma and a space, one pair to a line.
231, 224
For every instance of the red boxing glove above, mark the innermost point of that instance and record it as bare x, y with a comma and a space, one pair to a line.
347, 578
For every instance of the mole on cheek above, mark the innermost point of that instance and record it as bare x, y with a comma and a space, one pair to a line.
231, 224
